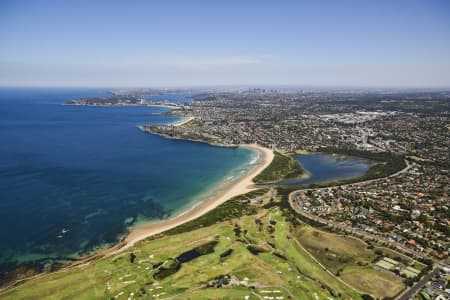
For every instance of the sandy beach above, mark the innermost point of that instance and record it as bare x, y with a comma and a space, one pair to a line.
241, 186
184, 121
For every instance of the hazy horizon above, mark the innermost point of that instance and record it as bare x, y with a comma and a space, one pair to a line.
383, 44
235, 86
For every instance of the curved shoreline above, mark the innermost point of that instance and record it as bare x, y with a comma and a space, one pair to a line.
138, 233
183, 121
242, 185
227, 190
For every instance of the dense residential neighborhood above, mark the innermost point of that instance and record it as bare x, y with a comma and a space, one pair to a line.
408, 123
411, 208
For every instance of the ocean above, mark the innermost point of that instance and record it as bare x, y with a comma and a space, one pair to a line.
73, 178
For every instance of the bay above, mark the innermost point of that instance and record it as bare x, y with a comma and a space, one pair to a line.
73, 178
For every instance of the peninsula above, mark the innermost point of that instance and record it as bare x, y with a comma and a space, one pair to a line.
119, 101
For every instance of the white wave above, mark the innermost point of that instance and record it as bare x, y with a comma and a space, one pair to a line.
255, 159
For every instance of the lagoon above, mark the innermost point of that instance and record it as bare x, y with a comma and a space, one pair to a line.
324, 167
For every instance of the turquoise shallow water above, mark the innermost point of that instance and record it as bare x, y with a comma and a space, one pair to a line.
73, 178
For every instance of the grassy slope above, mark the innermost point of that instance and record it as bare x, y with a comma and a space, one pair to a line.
281, 167
350, 258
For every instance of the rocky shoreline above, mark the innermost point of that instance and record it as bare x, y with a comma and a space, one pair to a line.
148, 129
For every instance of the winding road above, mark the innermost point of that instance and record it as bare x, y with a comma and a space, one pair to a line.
296, 204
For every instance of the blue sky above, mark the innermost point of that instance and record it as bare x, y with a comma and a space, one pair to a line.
182, 43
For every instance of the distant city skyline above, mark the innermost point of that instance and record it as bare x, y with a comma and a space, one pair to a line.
207, 43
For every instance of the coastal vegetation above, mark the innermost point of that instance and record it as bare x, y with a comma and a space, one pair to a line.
301, 151
247, 247
283, 166
231, 209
